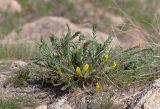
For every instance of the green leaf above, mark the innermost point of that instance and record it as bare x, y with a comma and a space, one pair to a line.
81, 37
94, 29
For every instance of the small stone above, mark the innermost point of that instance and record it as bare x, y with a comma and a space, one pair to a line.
41, 107
17, 64
66, 106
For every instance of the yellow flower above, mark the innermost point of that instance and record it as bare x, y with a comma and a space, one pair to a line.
105, 56
85, 67
114, 64
78, 70
78, 46
98, 86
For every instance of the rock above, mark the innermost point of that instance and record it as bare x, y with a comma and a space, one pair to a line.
135, 35
132, 37
30, 33
10, 5
42, 107
66, 106
61, 103
115, 19
17, 64
149, 98
10, 65
94, 13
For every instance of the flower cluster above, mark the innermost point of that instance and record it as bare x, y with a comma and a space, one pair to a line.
85, 69
82, 72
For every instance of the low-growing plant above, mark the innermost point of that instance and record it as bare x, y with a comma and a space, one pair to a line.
80, 61
104, 101
20, 78
7, 105
16, 103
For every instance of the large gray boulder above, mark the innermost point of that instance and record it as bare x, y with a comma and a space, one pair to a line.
10, 5
148, 98
31, 32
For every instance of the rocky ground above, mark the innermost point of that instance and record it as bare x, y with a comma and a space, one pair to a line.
43, 98
144, 97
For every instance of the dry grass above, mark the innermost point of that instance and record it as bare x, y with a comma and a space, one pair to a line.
17, 52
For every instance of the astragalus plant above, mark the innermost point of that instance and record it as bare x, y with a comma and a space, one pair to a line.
80, 61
